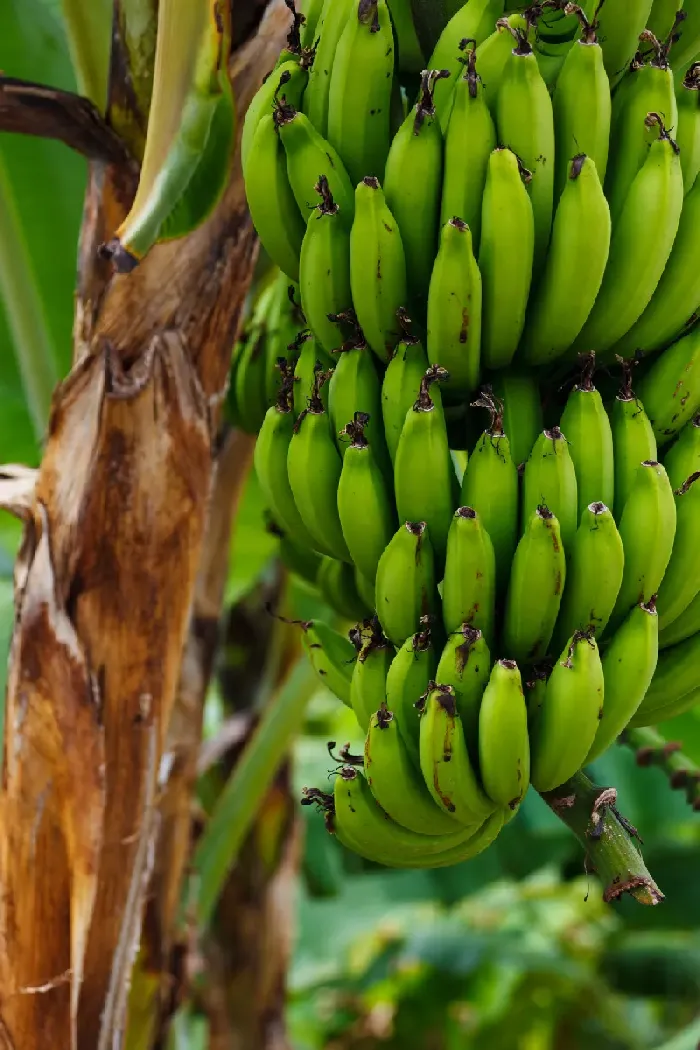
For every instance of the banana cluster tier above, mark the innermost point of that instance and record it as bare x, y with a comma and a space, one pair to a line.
473, 366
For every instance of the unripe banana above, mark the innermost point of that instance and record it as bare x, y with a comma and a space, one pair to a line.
359, 101
685, 626
535, 692
566, 726
595, 564
356, 387
490, 486
424, 477
687, 48
444, 759
331, 23
662, 19
677, 297
635, 265
368, 685
377, 269
312, 14
587, 427
566, 292
324, 269
412, 669
535, 591
688, 135
525, 123
522, 410
415, 202
582, 107
296, 558
285, 331
273, 209
647, 528
454, 309
250, 381
633, 441
314, 467
504, 744
367, 513
620, 23
494, 54
332, 657
469, 588
401, 385
681, 582
288, 81
406, 587
677, 675
465, 665
310, 156
671, 388
410, 54
473, 21
470, 139
365, 588
395, 782
336, 582
683, 457
550, 480
505, 258
312, 359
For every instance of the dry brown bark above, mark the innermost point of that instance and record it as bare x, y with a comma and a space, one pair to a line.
114, 525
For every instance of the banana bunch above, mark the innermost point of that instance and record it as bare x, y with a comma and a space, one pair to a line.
480, 239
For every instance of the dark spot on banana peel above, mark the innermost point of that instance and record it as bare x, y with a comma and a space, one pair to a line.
446, 801
464, 330
558, 583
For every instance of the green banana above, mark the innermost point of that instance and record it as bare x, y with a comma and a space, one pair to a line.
454, 309
494, 54
620, 23
401, 385
688, 133
634, 269
595, 564
415, 202
687, 48
537, 580
681, 582
505, 257
582, 106
324, 269
504, 744
676, 300
587, 427
470, 139
271, 451
550, 480
356, 387
676, 676
312, 14
535, 692
312, 359
309, 156
359, 101
410, 54
331, 23
465, 665
368, 685
336, 582
332, 657
651, 90
365, 507
395, 782
285, 324
314, 467
250, 395
522, 410
633, 440
662, 21
473, 21
490, 485
271, 202
684, 626
567, 723
424, 477
406, 586
629, 662
377, 268
683, 457
525, 122
566, 292
671, 388
297, 558
288, 82
469, 588
411, 670
444, 759
647, 528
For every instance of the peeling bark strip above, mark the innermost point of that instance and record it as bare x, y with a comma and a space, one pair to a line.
104, 590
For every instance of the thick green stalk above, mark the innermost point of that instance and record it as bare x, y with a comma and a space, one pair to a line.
32, 341
590, 812
653, 749
429, 18
239, 801
89, 30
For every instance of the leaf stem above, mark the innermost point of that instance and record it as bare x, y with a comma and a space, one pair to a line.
89, 29
240, 800
429, 18
653, 749
608, 839
33, 344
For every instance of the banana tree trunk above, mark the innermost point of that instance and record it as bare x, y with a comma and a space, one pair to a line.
114, 525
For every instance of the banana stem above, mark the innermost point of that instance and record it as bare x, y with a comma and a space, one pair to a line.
429, 18
653, 749
590, 812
